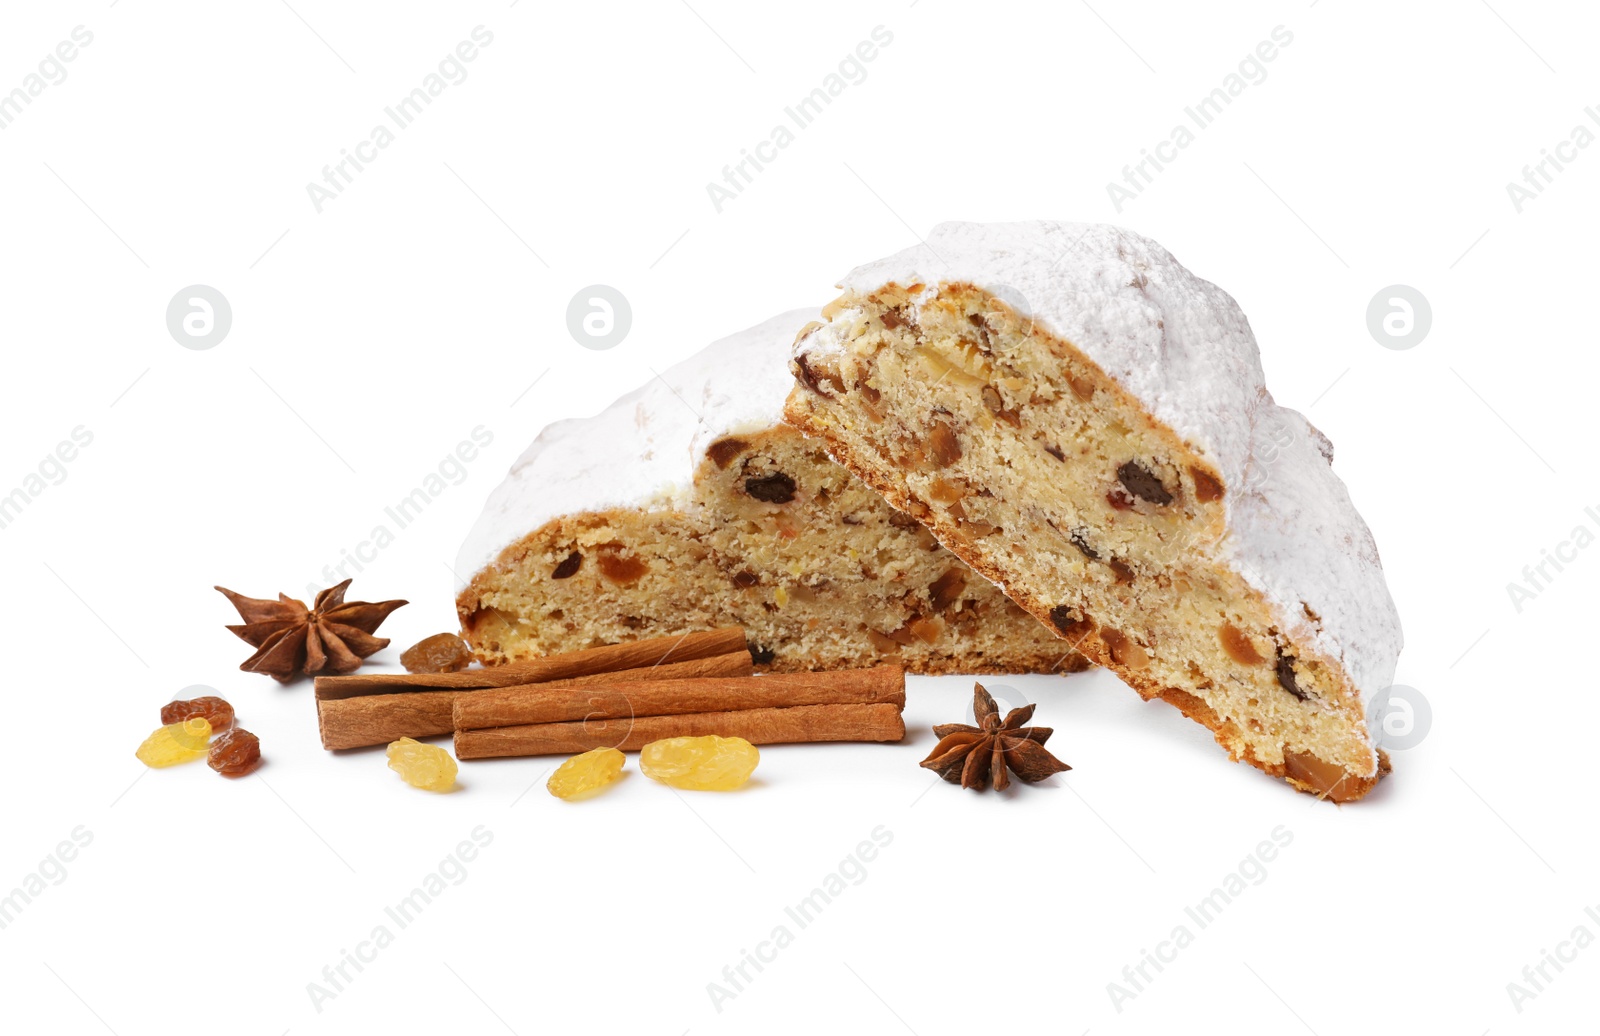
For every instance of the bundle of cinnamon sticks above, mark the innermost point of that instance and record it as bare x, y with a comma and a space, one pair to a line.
618, 696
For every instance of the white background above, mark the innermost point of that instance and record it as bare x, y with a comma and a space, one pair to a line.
370, 338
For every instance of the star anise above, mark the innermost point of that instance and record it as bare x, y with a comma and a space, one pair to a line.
970, 756
333, 635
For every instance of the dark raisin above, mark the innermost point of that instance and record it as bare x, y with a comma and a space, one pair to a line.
1062, 619
977, 321
804, 374
761, 655
569, 566
213, 710
1083, 546
776, 488
1055, 451
746, 579
1286, 677
811, 379
724, 450
235, 753
1123, 570
1138, 480
901, 520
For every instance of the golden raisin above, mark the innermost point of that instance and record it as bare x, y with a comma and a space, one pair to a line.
620, 570
1329, 780
883, 643
422, 766
583, 775
175, 743
942, 592
235, 753
1206, 487
996, 406
943, 491
440, 653
709, 763
1125, 651
213, 710
943, 444
1238, 645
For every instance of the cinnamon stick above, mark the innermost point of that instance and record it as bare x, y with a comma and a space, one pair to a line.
638, 654
875, 722
611, 699
365, 718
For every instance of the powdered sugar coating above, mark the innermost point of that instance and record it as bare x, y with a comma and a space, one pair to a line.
1183, 347
640, 451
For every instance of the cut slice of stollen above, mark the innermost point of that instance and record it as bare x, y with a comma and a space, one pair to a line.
1085, 422
689, 505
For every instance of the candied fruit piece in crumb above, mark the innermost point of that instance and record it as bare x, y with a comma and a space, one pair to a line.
176, 743
428, 767
236, 753
584, 775
708, 763
440, 653
213, 710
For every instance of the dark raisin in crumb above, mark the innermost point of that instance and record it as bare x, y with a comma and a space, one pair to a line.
761, 655
1083, 546
812, 380
724, 450
746, 579
1062, 619
1138, 480
804, 374
776, 488
1286, 677
977, 321
1055, 451
569, 566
